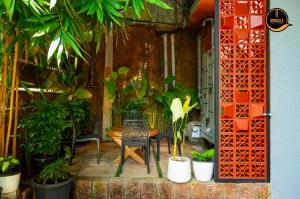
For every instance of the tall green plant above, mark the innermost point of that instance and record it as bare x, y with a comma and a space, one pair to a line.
45, 125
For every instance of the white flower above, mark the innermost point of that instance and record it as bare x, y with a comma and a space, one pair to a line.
176, 108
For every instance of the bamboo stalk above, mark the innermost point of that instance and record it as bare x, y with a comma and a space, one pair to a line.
26, 52
14, 148
12, 93
3, 101
2, 116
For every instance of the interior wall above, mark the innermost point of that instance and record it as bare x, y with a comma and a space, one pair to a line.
141, 51
285, 104
144, 49
186, 58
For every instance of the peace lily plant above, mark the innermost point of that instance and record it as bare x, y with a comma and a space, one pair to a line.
180, 115
179, 168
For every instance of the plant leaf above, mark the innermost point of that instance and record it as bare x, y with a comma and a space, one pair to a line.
15, 161
10, 7
52, 3
179, 135
54, 44
160, 4
176, 108
186, 103
82, 93
5, 166
123, 70
169, 79
114, 75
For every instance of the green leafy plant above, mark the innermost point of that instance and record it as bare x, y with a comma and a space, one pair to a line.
57, 171
78, 111
8, 165
45, 125
180, 114
112, 83
43, 33
152, 119
203, 156
165, 97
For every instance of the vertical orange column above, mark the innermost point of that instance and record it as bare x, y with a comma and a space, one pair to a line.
242, 137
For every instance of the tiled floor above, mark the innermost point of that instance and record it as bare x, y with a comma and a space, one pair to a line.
84, 163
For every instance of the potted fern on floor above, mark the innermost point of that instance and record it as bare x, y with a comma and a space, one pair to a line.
9, 174
179, 168
54, 181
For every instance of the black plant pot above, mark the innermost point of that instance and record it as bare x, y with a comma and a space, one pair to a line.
39, 163
60, 190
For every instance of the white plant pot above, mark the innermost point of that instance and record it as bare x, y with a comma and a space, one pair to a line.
10, 183
179, 170
203, 170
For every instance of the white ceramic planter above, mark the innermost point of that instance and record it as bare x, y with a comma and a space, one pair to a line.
10, 183
179, 170
203, 170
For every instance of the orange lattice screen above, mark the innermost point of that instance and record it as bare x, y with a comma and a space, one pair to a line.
242, 135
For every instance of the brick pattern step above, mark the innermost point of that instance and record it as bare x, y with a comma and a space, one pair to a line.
161, 188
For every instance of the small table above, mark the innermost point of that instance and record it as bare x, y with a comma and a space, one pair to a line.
116, 135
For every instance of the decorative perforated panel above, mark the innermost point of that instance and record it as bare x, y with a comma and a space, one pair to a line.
242, 137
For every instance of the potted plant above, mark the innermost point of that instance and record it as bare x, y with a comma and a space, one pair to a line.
179, 168
151, 116
9, 174
44, 126
203, 165
55, 180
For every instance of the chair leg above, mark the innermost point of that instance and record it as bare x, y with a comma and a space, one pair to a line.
98, 148
158, 149
147, 159
149, 147
73, 149
146, 155
122, 157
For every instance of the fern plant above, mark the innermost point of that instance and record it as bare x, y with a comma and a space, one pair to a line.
57, 171
203, 156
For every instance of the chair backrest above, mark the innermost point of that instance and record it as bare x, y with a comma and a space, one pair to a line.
135, 132
134, 114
